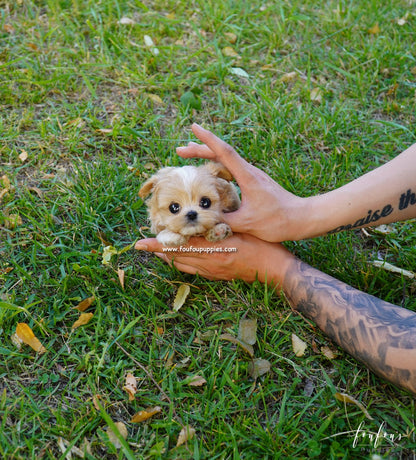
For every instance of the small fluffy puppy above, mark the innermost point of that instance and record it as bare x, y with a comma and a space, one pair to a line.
188, 201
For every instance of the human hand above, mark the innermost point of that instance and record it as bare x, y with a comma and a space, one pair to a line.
267, 210
240, 256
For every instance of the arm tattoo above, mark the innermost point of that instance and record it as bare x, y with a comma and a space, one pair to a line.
406, 199
381, 335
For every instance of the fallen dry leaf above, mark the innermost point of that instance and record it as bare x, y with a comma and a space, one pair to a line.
113, 437
8, 28
316, 95
181, 295
258, 367
155, 98
26, 335
230, 52
197, 381
23, 156
145, 414
245, 346
247, 331
231, 37
130, 386
328, 353
121, 274
108, 252
298, 345
126, 21
347, 399
6, 182
289, 77
84, 304
12, 221
84, 318
186, 434
374, 30
392, 268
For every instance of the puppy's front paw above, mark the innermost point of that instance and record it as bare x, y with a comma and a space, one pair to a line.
218, 232
168, 238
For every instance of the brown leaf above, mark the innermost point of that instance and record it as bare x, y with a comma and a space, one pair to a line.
12, 221
186, 434
130, 386
83, 319
327, 352
316, 95
197, 381
289, 77
247, 331
121, 273
33, 46
8, 28
113, 437
245, 346
84, 304
347, 399
258, 367
26, 335
231, 37
145, 414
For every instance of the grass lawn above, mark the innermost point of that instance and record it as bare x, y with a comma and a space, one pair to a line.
94, 97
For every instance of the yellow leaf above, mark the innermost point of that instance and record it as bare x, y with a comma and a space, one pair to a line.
130, 386
83, 319
145, 414
155, 98
375, 29
108, 252
347, 399
84, 304
229, 52
181, 295
298, 345
121, 274
186, 434
26, 335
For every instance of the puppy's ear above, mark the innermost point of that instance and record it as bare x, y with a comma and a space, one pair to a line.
148, 187
218, 170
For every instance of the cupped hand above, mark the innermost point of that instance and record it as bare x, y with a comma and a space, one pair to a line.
240, 256
267, 210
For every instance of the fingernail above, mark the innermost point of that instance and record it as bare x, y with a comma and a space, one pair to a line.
141, 247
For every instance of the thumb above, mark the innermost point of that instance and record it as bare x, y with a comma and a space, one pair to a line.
149, 244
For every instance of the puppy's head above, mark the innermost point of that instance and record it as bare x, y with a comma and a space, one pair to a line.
189, 200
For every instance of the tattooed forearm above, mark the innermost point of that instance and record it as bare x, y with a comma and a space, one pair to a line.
381, 335
406, 199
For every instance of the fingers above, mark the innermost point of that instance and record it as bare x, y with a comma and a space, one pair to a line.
217, 150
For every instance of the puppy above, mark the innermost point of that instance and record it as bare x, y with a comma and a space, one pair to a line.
188, 201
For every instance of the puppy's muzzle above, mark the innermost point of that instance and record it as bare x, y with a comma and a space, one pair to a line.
192, 216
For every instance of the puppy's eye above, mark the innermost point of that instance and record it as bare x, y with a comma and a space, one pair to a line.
174, 208
205, 202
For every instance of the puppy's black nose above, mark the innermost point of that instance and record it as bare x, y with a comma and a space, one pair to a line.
192, 215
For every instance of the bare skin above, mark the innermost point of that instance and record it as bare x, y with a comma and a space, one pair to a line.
385, 195
380, 334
